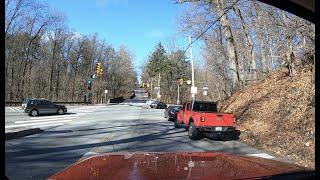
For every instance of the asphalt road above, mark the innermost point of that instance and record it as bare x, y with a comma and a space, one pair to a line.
102, 129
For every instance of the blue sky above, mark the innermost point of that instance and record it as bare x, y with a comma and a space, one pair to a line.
137, 24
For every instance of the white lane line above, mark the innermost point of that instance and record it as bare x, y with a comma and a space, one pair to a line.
71, 111
11, 108
45, 125
17, 109
41, 120
262, 155
81, 114
54, 117
35, 124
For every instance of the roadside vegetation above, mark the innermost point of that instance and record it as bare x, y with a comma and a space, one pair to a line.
46, 59
277, 114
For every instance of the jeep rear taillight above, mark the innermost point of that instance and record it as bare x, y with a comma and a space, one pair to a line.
202, 119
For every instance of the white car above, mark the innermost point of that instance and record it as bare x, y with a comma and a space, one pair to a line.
149, 102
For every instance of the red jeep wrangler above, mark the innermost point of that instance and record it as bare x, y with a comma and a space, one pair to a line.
201, 117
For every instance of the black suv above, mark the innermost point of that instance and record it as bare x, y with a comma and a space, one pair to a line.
35, 107
171, 112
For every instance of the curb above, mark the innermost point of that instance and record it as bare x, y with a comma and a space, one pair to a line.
18, 134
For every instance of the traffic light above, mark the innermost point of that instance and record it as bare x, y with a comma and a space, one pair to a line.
97, 69
181, 81
100, 70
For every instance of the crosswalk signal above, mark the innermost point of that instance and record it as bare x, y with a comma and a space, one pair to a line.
181, 81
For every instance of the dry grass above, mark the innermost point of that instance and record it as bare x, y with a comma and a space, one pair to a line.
277, 114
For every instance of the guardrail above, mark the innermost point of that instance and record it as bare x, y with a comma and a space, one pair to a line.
18, 103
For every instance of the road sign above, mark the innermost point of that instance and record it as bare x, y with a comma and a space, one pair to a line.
106, 91
194, 90
205, 93
188, 81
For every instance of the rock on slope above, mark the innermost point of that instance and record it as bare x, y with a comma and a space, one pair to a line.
277, 114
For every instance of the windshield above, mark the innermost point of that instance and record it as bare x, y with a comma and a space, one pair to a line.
89, 77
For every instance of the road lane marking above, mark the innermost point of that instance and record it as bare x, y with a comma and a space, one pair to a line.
45, 125
11, 108
40, 120
35, 124
71, 111
16, 108
262, 155
54, 117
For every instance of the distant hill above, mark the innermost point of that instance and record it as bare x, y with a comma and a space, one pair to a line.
277, 114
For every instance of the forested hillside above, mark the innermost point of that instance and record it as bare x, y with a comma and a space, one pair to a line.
277, 114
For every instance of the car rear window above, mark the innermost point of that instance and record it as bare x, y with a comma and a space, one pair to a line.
177, 108
205, 107
32, 102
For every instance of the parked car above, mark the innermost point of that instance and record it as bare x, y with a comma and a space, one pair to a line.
202, 117
35, 107
158, 105
24, 104
149, 102
171, 112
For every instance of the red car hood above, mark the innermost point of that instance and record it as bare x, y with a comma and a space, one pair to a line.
180, 165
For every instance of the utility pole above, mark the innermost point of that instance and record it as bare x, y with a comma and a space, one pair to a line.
159, 92
192, 68
178, 99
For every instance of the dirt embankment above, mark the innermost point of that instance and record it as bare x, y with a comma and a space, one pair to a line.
277, 114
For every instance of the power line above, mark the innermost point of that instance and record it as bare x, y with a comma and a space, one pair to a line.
213, 23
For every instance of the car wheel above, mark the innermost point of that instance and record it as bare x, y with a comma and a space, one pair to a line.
34, 113
177, 124
60, 111
193, 132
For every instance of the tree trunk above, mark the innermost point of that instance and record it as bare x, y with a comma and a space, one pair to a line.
232, 54
251, 55
260, 31
57, 83
74, 81
11, 89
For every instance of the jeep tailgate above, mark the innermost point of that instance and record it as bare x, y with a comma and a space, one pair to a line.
215, 119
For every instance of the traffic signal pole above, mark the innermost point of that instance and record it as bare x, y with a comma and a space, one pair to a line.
98, 71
